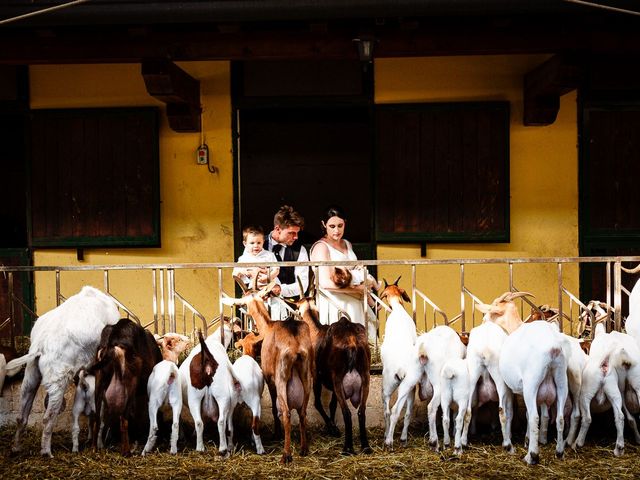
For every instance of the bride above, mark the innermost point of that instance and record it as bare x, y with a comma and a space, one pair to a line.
347, 295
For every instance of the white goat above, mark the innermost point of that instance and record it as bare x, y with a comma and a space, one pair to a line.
84, 403
433, 349
165, 387
455, 388
249, 374
399, 363
483, 358
62, 340
613, 367
210, 387
533, 363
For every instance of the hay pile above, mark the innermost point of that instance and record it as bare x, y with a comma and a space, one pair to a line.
485, 459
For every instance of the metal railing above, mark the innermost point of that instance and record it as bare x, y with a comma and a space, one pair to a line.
172, 309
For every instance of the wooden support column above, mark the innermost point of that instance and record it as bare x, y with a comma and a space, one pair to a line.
544, 86
179, 90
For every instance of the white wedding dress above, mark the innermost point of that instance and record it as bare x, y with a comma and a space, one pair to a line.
349, 303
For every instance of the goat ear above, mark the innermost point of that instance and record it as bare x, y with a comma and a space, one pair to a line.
302, 292
397, 280
405, 296
385, 283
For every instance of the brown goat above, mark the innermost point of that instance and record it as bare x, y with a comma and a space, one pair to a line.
251, 344
343, 361
287, 362
126, 357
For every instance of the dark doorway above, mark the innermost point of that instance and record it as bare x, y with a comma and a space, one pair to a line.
609, 194
309, 145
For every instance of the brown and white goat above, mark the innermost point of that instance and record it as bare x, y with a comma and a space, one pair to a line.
287, 361
126, 359
343, 360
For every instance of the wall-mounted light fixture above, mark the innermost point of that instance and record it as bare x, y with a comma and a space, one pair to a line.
365, 48
202, 152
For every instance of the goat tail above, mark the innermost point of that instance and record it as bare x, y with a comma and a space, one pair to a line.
623, 359
448, 371
352, 357
15, 365
120, 358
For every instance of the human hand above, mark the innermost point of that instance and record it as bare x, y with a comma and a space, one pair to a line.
276, 290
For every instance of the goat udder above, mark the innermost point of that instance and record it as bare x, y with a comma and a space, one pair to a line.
546, 392
352, 387
116, 396
295, 392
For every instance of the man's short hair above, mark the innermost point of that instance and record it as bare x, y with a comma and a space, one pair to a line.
286, 217
251, 230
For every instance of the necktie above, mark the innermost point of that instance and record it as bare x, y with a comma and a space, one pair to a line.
276, 251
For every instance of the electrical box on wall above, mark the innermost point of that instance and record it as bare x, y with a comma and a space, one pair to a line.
202, 154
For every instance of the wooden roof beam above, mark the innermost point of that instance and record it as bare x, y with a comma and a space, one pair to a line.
179, 90
544, 86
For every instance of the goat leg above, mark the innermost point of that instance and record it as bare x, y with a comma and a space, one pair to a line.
332, 429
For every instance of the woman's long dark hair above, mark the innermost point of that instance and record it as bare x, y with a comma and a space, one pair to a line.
332, 211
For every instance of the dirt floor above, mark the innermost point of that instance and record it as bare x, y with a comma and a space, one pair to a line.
483, 459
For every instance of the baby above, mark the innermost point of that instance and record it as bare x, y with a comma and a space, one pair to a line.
253, 241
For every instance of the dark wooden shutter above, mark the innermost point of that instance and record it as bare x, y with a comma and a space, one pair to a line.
94, 178
443, 172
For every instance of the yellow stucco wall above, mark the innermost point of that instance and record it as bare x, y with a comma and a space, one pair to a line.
543, 171
196, 206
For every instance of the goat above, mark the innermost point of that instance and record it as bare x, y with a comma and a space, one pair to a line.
6, 355
83, 403
250, 344
210, 388
287, 361
485, 380
454, 388
400, 367
62, 340
611, 377
533, 363
433, 349
632, 325
248, 373
343, 361
165, 387
125, 361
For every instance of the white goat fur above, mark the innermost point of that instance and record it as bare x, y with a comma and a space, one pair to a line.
218, 400
165, 388
84, 403
62, 340
533, 363
483, 357
455, 387
249, 374
399, 365
612, 367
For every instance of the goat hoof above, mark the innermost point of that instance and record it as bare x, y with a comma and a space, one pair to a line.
304, 451
388, 446
404, 442
457, 451
46, 454
618, 451
347, 451
509, 449
333, 431
532, 458
286, 459
225, 453
434, 446
367, 450
560, 455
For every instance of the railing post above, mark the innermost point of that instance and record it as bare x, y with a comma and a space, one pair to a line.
365, 303
560, 287
162, 302
171, 288
413, 295
608, 268
106, 280
57, 288
154, 299
220, 304
463, 323
617, 295
12, 312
